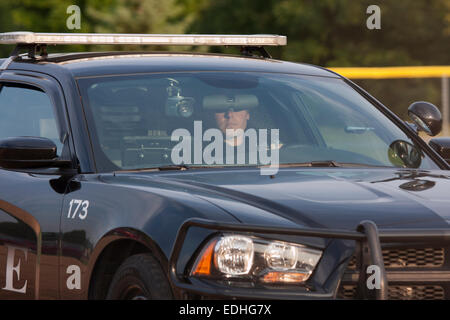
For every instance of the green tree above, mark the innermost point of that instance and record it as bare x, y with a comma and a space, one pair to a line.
108, 16
135, 16
334, 32
5, 25
44, 16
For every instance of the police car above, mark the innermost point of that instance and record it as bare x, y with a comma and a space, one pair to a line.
160, 175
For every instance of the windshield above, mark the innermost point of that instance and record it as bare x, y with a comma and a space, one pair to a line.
238, 118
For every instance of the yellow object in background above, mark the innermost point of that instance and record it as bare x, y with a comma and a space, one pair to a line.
394, 72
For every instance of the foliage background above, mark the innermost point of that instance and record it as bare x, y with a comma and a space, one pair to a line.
330, 33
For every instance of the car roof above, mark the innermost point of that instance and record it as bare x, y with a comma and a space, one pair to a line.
91, 64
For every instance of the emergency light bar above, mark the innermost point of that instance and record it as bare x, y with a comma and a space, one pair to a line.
142, 39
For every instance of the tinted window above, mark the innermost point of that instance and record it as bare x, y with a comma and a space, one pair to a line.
26, 111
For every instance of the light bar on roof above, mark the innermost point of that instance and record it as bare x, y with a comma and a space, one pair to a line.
150, 39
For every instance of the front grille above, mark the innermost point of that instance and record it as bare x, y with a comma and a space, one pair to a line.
417, 272
397, 292
410, 258
426, 257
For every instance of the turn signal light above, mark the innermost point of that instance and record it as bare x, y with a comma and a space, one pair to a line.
285, 277
203, 267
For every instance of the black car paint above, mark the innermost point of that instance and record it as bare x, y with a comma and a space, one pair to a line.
149, 208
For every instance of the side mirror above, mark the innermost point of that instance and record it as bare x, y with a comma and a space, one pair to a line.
442, 146
29, 152
404, 154
426, 116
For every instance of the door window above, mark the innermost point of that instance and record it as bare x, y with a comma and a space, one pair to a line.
27, 111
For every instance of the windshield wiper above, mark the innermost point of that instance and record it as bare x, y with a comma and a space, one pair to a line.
326, 163
180, 167
329, 164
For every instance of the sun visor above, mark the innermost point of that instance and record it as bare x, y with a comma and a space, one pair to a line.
222, 103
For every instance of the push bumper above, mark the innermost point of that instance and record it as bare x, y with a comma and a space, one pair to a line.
366, 235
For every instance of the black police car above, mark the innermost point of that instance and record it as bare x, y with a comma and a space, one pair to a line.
185, 175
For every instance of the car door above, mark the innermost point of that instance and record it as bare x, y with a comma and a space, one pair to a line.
31, 199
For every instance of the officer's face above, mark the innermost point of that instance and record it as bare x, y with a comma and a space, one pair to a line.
232, 120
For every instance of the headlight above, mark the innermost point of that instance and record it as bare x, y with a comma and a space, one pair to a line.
246, 258
233, 255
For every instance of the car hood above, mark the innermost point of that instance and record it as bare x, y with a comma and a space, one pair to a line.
322, 197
